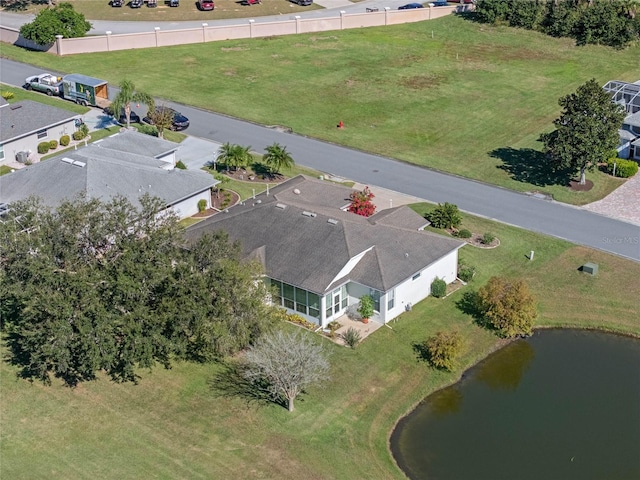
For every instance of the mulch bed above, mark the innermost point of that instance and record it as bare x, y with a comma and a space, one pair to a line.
244, 175
575, 186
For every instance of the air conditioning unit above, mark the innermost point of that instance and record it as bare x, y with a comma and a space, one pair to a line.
21, 157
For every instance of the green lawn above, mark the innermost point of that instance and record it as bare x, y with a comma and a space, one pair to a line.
179, 423
471, 99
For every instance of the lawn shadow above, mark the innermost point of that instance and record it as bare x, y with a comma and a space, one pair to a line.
230, 382
529, 166
422, 354
468, 305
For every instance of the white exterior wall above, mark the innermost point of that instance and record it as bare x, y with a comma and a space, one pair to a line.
189, 206
170, 159
30, 142
413, 291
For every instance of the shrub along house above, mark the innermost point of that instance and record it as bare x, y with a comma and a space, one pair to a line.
321, 259
114, 166
25, 124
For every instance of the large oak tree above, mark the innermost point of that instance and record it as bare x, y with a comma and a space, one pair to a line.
586, 131
109, 287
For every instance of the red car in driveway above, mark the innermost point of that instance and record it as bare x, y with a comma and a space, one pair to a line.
205, 5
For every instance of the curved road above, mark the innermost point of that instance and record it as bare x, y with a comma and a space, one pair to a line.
529, 212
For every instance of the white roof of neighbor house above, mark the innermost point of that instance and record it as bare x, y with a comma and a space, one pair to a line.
132, 141
102, 173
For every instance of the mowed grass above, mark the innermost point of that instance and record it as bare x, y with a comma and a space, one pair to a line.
188, 10
178, 424
448, 94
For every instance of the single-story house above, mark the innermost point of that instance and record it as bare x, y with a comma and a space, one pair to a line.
25, 124
321, 259
627, 95
105, 169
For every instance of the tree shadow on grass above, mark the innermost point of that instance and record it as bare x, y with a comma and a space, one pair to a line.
230, 382
468, 305
529, 166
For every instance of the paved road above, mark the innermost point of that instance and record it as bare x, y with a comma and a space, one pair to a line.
574, 224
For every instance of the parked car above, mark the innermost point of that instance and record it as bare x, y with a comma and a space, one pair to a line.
152, 3
46, 83
303, 3
180, 122
205, 5
136, 3
174, 3
117, 3
439, 3
411, 6
252, 2
133, 117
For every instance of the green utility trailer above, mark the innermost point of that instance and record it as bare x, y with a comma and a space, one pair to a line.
84, 90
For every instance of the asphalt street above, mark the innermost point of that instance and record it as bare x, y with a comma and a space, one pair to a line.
530, 212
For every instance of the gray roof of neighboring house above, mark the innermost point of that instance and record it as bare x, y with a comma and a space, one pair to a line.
627, 135
633, 120
309, 251
131, 141
26, 117
102, 173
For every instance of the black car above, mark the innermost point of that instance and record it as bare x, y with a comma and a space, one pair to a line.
410, 6
133, 116
117, 3
136, 3
180, 122
303, 3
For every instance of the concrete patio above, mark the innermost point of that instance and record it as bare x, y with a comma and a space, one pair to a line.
349, 320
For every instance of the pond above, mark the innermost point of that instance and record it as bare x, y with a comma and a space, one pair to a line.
563, 404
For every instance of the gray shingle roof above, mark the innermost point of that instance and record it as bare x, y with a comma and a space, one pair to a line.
310, 251
633, 120
26, 117
131, 141
102, 173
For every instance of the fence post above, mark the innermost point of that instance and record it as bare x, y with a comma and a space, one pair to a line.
386, 15
59, 45
342, 12
204, 32
108, 32
156, 29
297, 17
251, 22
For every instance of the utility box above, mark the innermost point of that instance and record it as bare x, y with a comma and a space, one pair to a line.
590, 268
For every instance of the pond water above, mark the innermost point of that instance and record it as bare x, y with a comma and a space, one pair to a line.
563, 404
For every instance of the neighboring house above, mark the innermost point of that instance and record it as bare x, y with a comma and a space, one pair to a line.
25, 124
627, 95
104, 169
321, 259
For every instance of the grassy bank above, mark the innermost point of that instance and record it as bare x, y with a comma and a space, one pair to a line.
181, 423
20, 94
450, 94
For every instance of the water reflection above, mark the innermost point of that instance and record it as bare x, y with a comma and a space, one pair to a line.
504, 369
446, 401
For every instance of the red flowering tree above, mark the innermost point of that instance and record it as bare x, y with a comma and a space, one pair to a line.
361, 203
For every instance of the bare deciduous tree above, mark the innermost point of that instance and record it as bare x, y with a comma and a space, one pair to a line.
287, 362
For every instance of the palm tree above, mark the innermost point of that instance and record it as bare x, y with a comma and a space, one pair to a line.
277, 158
126, 96
233, 155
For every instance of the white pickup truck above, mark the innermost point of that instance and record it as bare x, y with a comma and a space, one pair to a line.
46, 83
